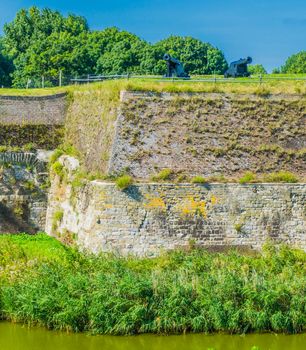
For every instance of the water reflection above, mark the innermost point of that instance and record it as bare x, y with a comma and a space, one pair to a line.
18, 337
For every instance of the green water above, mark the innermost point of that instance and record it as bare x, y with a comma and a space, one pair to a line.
18, 337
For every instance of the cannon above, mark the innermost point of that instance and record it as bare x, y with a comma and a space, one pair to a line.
175, 67
238, 68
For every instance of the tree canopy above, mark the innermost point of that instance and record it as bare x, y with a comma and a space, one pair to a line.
6, 67
42, 42
198, 57
295, 64
256, 69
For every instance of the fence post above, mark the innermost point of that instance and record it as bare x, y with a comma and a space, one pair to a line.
87, 78
43, 82
260, 79
60, 78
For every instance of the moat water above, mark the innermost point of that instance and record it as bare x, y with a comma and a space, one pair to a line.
19, 337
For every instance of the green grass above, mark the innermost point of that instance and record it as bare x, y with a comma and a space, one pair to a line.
123, 182
163, 175
44, 283
199, 180
248, 177
39, 246
242, 85
281, 176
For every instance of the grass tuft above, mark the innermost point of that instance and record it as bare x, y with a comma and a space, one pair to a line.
123, 182
281, 176
248, 177
163, 175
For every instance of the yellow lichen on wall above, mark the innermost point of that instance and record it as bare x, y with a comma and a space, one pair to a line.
155, 203
191, 206
103, 198
214, 200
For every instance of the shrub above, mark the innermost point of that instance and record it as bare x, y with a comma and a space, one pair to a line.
123, 182
198, 180
281, 176
247, 177
238, 227
57, 218
163, 175
55, 155
58, 169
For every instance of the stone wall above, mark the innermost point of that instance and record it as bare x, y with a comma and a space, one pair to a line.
23, 193
148, 218
38, 121
34, 110
209, 134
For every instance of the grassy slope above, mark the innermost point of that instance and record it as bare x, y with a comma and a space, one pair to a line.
41, 282
243, 85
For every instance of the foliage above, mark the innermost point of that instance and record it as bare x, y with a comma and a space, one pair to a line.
198, 57
123, 182
44, 42
43, 282
281, 176
199, 180
120, 52
163, 175
247, 177
6, 68
295, 64
256, 69
58, 168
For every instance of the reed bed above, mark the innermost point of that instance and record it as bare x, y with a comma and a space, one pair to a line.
43, 282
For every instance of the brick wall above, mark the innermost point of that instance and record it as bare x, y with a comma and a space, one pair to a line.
34, 110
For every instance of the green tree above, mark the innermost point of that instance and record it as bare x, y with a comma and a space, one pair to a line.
256, 69
44, 42
6, 68
41, 41
295, 64
198, 57
120, 52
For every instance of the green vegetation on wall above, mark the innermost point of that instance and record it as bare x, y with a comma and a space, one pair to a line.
43, 282
38, 136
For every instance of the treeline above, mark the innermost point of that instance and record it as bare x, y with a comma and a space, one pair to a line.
41, 43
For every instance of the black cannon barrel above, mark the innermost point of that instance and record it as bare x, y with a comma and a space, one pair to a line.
238, 68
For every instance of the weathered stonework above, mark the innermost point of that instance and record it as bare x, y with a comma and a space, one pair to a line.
209, 134
34, 110
148, 218
23, 197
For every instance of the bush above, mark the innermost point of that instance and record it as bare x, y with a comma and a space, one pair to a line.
123, 182
281, 176
58, 168
163, 175
247, 177
198, 180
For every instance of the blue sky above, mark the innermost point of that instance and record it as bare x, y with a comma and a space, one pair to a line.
267, 30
